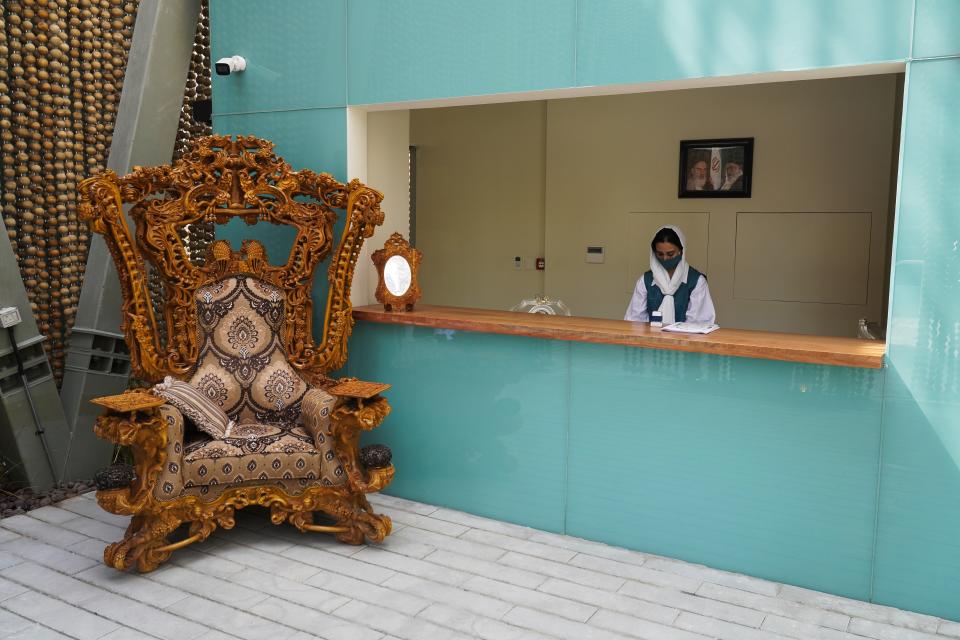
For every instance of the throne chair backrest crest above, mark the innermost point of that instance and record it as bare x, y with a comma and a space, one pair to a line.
220, 178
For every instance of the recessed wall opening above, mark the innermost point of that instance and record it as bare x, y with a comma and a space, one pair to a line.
808, 252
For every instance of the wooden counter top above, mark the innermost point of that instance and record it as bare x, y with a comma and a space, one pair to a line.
790, 347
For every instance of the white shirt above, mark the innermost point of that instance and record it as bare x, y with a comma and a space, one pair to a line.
700, 308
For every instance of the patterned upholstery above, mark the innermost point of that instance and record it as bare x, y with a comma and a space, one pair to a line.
242, 368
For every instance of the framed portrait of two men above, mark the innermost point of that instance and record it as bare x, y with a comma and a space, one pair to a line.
720, 168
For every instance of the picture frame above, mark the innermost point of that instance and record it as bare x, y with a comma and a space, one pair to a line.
719, 168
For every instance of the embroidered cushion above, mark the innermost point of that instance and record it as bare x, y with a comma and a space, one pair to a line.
208, 417
242, 365
260, 452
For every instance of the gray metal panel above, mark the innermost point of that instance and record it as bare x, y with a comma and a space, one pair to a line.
144, 134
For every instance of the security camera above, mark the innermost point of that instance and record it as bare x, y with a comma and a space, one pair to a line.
233, 64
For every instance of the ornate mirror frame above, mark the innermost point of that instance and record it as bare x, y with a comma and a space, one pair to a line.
397, 245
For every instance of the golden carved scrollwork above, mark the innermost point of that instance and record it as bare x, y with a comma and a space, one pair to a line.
221, 178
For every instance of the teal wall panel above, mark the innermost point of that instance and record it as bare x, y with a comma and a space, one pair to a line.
762, 467
412, 49
767, 467
918, 554
295, 52
623, 41
936, 28
478, 421
314, 139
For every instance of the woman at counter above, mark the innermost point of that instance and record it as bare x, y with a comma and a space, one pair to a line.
671, 285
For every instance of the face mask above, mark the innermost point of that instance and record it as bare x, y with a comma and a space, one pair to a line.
671, 263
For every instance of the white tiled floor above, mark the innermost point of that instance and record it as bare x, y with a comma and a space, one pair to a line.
442, 574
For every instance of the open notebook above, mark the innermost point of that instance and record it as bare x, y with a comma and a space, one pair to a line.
691, 327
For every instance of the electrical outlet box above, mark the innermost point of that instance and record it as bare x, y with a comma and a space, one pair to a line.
9, 317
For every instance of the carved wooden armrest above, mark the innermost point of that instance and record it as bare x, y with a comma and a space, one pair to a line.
127, 414
133, 419
360, 409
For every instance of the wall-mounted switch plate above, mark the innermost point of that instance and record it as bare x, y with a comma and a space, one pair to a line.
594, 255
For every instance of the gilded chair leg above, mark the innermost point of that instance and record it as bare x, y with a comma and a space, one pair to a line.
355, 519
361, 522
144, 544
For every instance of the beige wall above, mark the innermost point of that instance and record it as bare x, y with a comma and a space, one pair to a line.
480, 189
387, 147
805, 254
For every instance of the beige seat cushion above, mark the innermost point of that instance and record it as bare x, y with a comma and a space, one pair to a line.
260, 452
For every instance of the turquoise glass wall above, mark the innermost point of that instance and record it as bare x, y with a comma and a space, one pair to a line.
840, 479
918, 559
482, 424
422, 49
768, 468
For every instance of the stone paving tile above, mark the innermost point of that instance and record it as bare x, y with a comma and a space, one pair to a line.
693, 604
520, 545
53, 515
563, 571
858, 609
445, 575
638, 573
713, 628
38, 529
8, 560
9, 589
477, 626
370, 593
444, 594
706, 574
484, 524
612, 601
11, 623
949, 629
448, 543
882, 631
394, 623
630, 626
538, 600
493, 570
39, 632
803, 630
557, 626
86, 507
48, 556
784, 608
241, 624
59, 616
316, 622
382, 499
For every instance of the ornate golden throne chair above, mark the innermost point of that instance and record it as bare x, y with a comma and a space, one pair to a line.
240, 334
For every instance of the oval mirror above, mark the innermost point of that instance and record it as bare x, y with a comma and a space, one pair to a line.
396, 275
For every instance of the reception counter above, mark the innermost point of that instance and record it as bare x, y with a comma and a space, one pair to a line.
749, 451
789, 347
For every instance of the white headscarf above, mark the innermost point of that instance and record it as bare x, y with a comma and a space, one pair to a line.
669, 285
